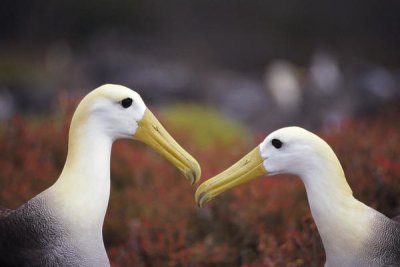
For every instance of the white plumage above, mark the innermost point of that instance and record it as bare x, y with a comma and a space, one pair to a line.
62, 226
352, 233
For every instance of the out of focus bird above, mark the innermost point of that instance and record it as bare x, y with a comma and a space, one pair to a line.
62, 226
353, 234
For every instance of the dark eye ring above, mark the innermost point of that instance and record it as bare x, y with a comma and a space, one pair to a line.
127, 102
277, 143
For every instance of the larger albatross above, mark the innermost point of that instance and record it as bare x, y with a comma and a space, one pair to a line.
352, 233
62, 226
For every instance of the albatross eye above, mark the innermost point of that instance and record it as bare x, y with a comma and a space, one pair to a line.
127, 102
277, 143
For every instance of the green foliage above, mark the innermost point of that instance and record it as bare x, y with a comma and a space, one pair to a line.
152, 219
204, 125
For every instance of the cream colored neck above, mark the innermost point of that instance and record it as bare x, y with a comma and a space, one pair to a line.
83, 188
342, 220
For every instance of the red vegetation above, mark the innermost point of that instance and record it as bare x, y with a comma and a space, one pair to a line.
152, 219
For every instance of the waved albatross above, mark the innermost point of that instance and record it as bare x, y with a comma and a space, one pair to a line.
352, 233
62, 226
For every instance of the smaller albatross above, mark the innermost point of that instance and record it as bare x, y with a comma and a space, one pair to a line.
353, 234
62, 226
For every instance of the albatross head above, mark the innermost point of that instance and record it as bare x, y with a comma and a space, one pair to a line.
290, 150
119, 112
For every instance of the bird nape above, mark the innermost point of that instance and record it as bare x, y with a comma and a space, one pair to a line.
352, 233
62, 226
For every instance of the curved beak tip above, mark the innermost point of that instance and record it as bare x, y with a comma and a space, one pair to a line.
194, 173
201, 196
247, 168
193, 177
152, 133
201, 199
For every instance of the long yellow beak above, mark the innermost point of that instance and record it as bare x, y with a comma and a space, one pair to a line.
152, 133
247, 168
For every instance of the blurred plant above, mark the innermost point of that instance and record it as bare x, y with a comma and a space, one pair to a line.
204, 125
152, 219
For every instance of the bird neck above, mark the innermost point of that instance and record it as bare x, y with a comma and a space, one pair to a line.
82, 191
341, 219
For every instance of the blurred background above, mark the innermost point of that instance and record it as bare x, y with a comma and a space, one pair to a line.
266, 64
220, 75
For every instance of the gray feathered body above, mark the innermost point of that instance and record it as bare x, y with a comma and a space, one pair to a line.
380, 249
32, 236
383, 248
